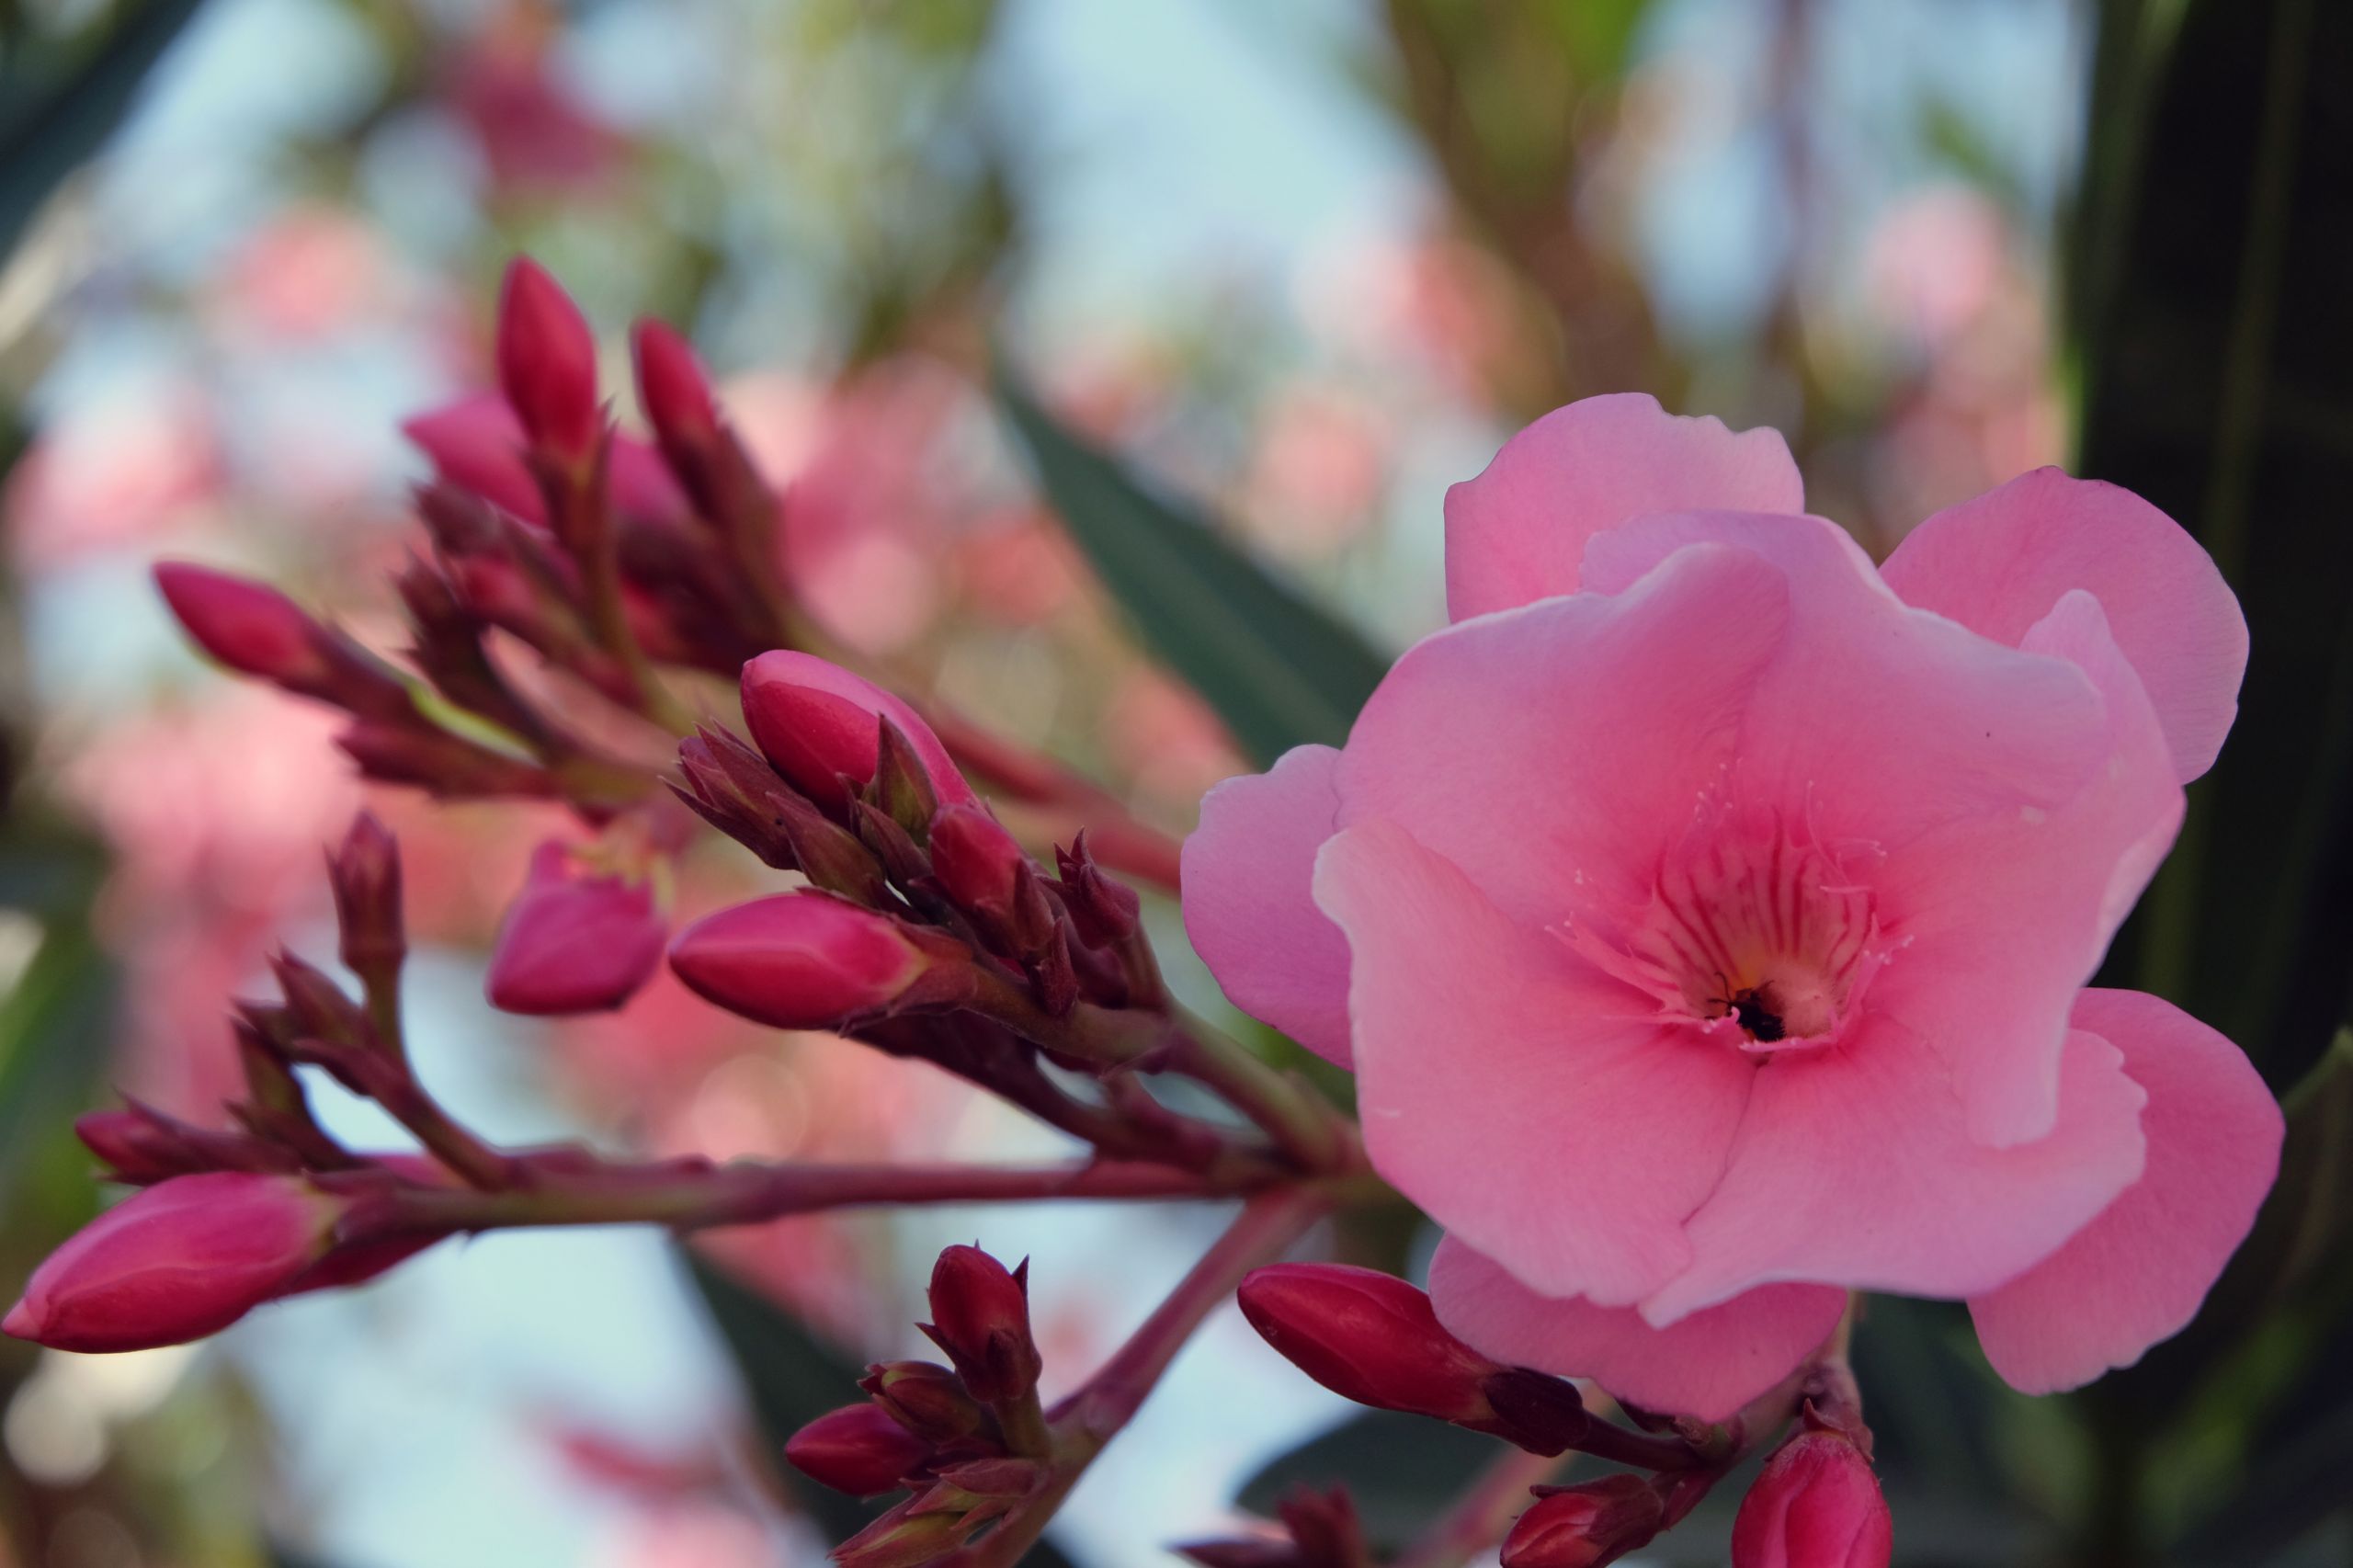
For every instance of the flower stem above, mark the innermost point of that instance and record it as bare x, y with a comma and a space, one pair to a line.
689, 1196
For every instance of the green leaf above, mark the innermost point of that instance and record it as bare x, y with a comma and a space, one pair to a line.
1278, 669
50, 128
792, 1377
1401, 1471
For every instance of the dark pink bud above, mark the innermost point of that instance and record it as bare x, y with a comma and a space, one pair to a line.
1104, 911
1368, 1337
926, 1399
1586, 1525
365, 874
673, 390
138, 1144
818, 723
803, 960
1816, 1504
248, 626
977, 862
857, 1450
980, 1313
476, 445
175, 1262
547, 361
413, 752
576, 940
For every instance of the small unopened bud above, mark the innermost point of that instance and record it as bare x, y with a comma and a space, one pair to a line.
926, 1399
674, 392
476, 446
857, 1450
1368, 1337
1106, 912
365, 874
318, 1008
820, 724
448, 765
1584, 1526
981, 1317
138, 1144
975, 860
1815, 1504
803, 960
249, 626
547, 362
175, 1262
576, 940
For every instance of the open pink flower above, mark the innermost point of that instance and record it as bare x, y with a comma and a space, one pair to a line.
1707, 912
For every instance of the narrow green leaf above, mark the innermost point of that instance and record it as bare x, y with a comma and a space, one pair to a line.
1401, 1471
790, 1377
1278, 669
48, 129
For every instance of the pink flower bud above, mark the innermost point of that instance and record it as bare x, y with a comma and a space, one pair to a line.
575, 939
547, 361
857, 1450
818, 723
673, 390
1368, 1337
981, 1317
365, 875
1586, 1525
1816, 1504
925, 1398
248, 626
175, 1262
977, 862
802, 960
476, 445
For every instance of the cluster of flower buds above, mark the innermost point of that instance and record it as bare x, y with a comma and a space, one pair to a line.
924, 930
1320, 1529
601, 554
968, 1441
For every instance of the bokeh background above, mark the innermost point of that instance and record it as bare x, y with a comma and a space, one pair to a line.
1303, 264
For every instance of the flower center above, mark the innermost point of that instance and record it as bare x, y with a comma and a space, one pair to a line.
1753, 933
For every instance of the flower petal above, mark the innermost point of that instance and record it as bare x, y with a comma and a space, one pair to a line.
2137, 1273
1549, 751
2006, 805
1514, 534
1512, 1092
1997, 563
1249, 905
1707, 1365
2008, 915
1854, 1166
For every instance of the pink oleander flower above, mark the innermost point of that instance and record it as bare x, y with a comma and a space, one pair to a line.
578, 939
1707, 913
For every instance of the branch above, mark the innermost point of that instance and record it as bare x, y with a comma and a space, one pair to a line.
567, 1189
